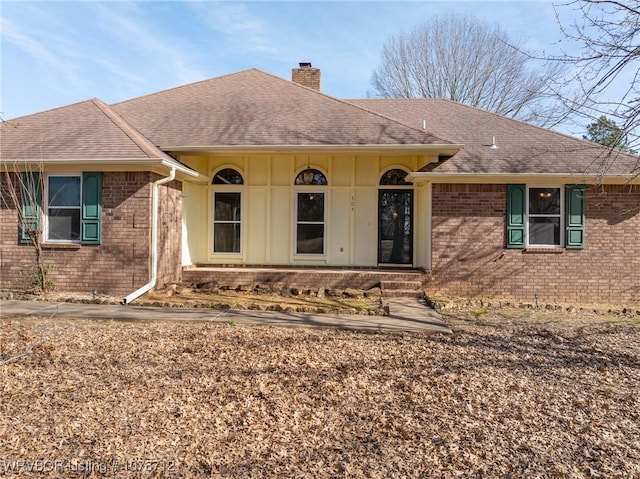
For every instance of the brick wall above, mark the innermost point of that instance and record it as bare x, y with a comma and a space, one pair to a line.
169, 233
120, 264
306, 76
301, 277
469, 257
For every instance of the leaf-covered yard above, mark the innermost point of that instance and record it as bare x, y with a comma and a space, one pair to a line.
501, 397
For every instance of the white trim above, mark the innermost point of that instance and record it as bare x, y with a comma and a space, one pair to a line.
559, 215
97, 163
46, 207
324, 190
226, 189
521, 177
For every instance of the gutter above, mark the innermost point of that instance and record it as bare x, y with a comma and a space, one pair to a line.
585, 177
101, 162
154, 238
408, 147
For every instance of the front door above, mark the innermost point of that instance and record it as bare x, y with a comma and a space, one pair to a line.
395, 227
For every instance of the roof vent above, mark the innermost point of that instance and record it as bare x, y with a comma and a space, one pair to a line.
306, 75
493, 143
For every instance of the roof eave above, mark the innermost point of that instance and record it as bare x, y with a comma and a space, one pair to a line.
423, 176
444, 148
102, 162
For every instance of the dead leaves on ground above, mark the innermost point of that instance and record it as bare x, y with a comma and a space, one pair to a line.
492, 400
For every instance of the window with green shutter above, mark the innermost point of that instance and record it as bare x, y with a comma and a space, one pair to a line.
516, 214
575, 218
31, 197
71, 207
544, 216
537, 218
91, 207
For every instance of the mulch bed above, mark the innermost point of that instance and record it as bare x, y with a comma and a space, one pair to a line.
501, 397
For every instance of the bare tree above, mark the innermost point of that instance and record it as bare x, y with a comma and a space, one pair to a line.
21, 190
463, 58
606, 66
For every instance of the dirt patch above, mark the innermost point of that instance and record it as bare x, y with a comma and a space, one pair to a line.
330, 301
504, 396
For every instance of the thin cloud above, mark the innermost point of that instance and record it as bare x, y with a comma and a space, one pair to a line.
132, 30
51, 53
28, 44
246, 32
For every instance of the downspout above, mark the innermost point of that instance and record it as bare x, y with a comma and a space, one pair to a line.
154, 239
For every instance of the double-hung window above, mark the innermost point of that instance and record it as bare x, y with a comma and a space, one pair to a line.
227, 211
544, 225
226, 222
63, 207
546, 216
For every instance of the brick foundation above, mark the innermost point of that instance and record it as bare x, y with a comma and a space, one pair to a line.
297, 277
470, 258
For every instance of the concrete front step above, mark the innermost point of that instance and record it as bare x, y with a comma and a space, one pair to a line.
394, 284
402, 293
402, 289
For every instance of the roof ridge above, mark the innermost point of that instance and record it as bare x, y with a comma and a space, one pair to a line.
292, 84
504, 117
148, 148
351, 105
587, 143
179, 87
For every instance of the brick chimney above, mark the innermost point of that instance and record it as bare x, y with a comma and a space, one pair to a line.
306, 75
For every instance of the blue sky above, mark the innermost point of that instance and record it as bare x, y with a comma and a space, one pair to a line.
56, 53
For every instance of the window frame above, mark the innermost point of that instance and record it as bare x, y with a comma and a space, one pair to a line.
233, 222
561, 215
238, 188
297, 222
400, 185
306, 189
47, 207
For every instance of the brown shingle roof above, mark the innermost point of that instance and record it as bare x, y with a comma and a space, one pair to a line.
89, 130
255, 108
522, 148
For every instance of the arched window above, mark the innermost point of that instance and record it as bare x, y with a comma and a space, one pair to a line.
227, 176
395, 177
227, 211
310, 212
311, 177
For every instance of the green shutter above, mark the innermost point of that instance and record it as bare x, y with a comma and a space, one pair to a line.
516, 215
575, 219
91, 207
31, 198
